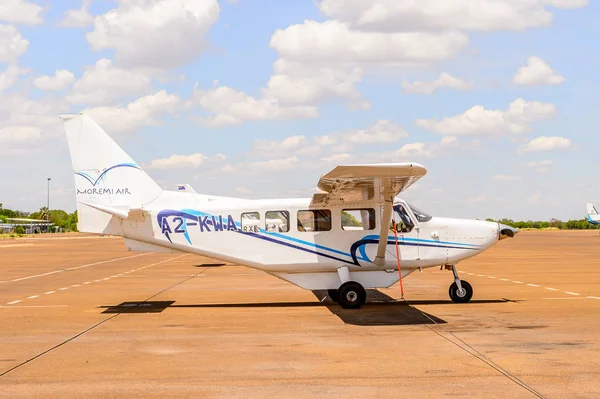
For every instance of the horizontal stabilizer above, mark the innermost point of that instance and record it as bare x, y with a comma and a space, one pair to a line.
120, 213
139, 246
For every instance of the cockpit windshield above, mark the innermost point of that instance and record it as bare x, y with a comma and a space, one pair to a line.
420, 215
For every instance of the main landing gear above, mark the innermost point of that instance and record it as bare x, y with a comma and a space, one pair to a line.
460, 291
350, 295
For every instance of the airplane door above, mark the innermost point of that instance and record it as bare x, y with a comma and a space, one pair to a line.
408, 236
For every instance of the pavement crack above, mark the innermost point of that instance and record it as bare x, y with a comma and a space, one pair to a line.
476, 354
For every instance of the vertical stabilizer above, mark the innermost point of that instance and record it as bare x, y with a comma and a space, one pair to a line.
104, 175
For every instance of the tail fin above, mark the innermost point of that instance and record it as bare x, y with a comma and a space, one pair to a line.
107, 181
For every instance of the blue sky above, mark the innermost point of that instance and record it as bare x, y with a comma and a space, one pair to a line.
235, 98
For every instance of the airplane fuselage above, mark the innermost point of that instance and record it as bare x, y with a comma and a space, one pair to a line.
269, 235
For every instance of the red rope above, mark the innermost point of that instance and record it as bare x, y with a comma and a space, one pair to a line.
395, 226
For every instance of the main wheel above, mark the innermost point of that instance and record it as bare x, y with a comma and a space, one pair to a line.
351, 295
333, 295
461, 297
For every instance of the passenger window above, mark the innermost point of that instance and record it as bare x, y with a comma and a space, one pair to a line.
358, 219
277, 221
251, 222
314, 220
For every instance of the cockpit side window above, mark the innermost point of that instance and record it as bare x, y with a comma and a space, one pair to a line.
421, 216
403, 221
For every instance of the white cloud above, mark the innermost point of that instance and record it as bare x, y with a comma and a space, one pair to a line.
547, 144
449, 141
334, 43
445, 80
271, 148
540, 166
297, 83
20, 12
144, 111
155, 33
12, 44
16, 110
479, 15
506, 178
184, 161
418, 150
80, 18
536, 73
534, 198
61, 79
337, 158
477, 200
275, 164
18, 134
478, 120
242, 190
383, 131
9, 76
106, 83
232, 107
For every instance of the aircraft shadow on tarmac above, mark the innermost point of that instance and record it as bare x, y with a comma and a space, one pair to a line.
380, 309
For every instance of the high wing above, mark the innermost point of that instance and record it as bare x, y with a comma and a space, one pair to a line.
379, 183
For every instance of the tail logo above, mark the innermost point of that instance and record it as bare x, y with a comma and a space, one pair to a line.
95, 181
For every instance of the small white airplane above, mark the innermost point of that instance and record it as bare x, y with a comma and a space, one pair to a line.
592, 214
341, 240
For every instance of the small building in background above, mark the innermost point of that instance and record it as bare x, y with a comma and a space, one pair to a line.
30, 226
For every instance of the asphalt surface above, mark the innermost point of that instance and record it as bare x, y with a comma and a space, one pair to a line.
81, 317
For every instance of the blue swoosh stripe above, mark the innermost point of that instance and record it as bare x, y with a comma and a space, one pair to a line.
94, 182
373, 238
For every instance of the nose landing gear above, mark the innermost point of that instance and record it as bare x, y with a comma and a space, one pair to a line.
460, 290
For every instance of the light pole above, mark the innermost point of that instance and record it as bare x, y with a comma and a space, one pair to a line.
48, 207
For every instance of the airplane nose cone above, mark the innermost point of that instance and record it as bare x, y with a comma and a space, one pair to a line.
505, 231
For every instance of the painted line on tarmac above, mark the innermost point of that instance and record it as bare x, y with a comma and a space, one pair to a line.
565, 298
72, 268
88, 282
66, 341
14, 245
34, 306
536, 286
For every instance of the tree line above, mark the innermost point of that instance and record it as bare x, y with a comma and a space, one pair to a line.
580, 224
66, 221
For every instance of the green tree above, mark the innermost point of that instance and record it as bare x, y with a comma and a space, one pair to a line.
349, 220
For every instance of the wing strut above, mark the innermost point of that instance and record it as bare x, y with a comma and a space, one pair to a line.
388, 195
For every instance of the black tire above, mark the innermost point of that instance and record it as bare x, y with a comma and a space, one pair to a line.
456, 296
334, 295
351, 295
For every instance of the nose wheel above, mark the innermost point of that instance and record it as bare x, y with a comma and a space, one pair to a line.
461, 295
460, 291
